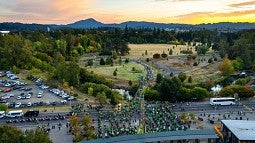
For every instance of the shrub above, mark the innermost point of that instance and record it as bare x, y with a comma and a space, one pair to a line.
210, 60
195, 64
163, 55
126, 60
186, 52
156, 56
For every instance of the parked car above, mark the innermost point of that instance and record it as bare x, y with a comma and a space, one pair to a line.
28, 89
19, 97
7, 90
63, 101
28, 96
10, 104
17, 105
29, 104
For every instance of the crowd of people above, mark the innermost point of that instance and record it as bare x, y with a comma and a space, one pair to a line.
159, 117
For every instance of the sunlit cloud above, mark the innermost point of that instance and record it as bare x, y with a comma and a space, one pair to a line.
243, 4
113, 11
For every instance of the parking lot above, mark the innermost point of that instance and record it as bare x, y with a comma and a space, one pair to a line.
18, 94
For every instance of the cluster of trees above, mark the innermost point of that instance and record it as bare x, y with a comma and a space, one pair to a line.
237, 46
173, 90
11, 134
82, 128
242, 92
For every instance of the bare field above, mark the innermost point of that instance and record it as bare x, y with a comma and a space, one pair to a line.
138, 50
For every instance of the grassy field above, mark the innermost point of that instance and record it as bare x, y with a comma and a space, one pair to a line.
138, 50
124, 71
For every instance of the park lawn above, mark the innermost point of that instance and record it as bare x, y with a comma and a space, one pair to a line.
124, 71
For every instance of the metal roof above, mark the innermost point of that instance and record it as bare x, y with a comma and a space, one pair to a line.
159, 136
242, 129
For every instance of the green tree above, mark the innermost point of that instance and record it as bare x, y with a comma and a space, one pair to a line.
199, 93
133, 89
238, 64
101, 98
146, 52
171, 52
159, 78
182, 76
90, 91
37, 135
10, 134
150, 94
114, 55
170, 89
3, 107
202, 49
130, 83
86, 121
126, 60
190, 79
90, 62
226, 67
109, 61
102, 62
115, 73
117, 97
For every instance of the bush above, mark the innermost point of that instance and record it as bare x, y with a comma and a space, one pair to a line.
186, 52
126, 60
195, 64
163, 55
102, 62
156, 56
191, 57
210, 60
115, 73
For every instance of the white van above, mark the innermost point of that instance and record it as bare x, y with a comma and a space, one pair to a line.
16, 113
2, 114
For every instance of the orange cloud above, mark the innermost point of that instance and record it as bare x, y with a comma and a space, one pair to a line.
212, 17
242, 4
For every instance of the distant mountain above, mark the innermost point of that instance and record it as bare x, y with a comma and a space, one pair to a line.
10, 26
88, 23
92, 23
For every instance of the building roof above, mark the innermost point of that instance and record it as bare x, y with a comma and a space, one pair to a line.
159, 136
242, 129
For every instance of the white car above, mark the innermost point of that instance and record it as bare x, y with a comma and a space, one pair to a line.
29, 104
63, 101
39, 95
10, 94
19, 97
17, 105
28, 96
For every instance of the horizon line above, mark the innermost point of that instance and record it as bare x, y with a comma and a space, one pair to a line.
124, 22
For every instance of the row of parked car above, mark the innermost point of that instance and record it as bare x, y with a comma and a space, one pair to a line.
13, 104
61, 94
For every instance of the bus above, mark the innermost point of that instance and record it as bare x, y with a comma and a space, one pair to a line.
2, 114
222, 101
15, 113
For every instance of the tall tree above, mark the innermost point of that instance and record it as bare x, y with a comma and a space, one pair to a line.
226, 67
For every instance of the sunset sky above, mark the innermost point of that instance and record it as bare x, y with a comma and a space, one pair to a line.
117, 11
